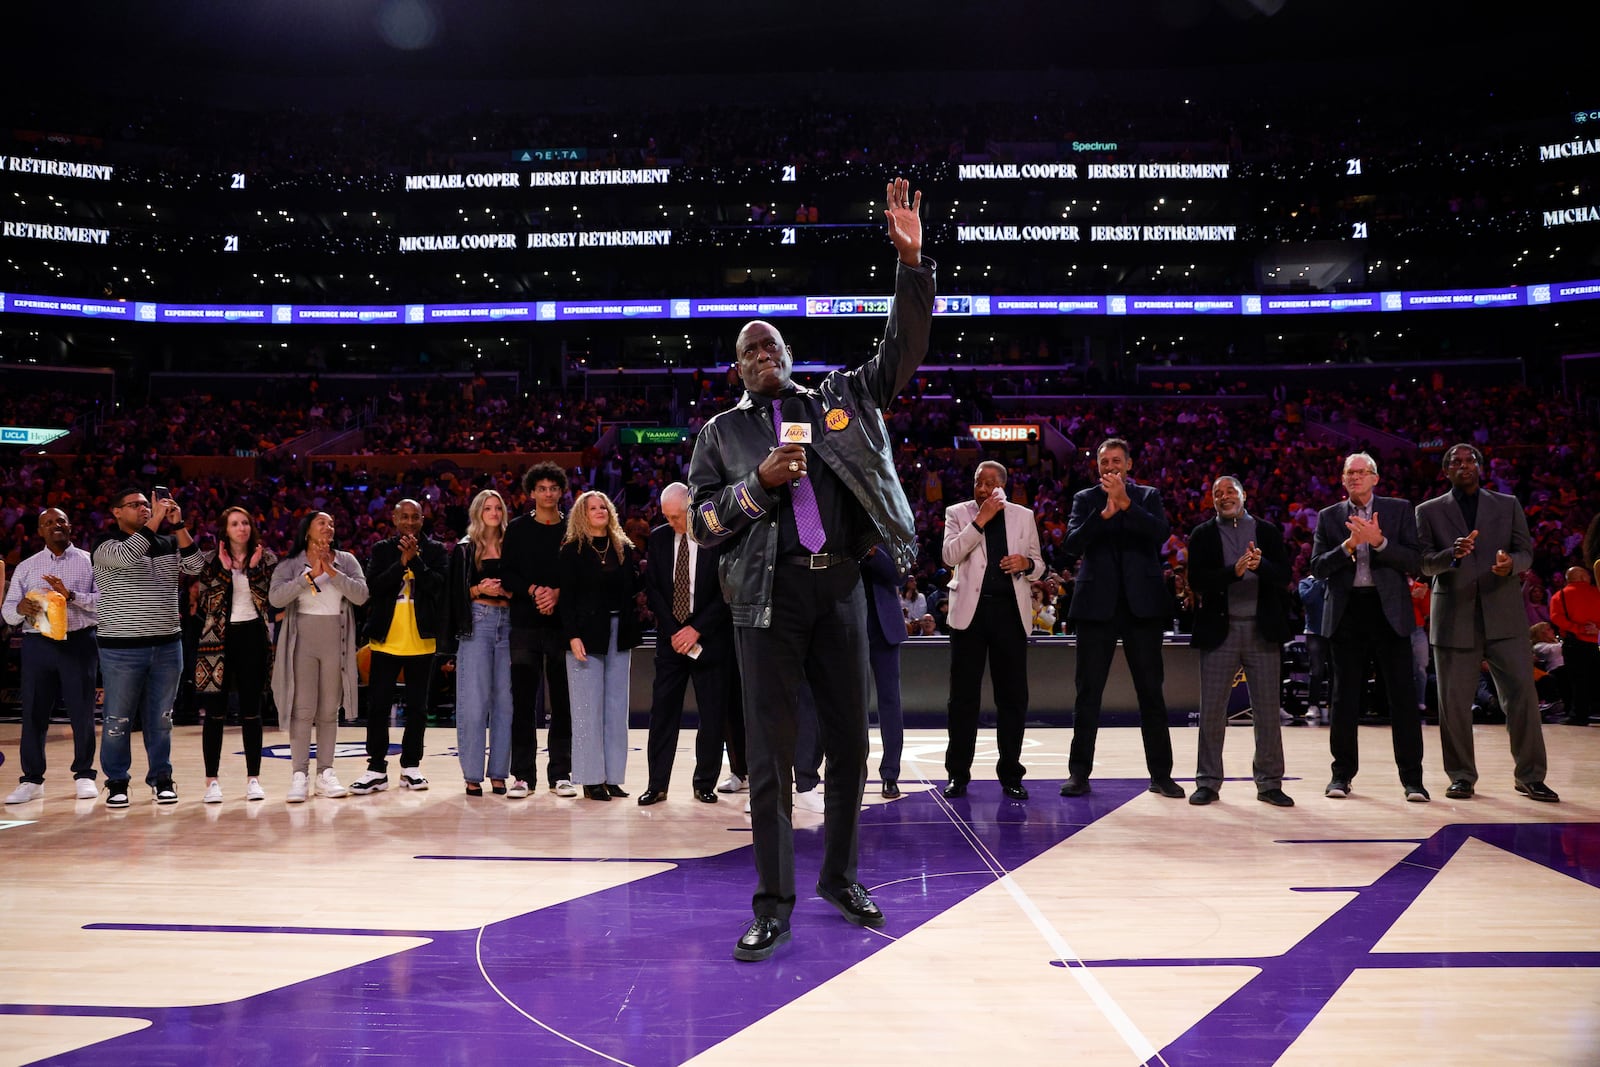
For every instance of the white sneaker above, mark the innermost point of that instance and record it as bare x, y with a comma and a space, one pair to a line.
253, 790
516, 789
27, 791
328, 785
87, 788
734, 784
298, 786
410, 779
565, 788
810, 800
369, 782
213, 794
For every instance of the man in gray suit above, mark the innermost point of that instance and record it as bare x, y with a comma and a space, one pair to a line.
1475, 543
1364, 548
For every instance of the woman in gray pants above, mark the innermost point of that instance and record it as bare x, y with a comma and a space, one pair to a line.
314, 672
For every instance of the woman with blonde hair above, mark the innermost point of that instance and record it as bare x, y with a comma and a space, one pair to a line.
234, 644
599, 582
480, 621
314, 671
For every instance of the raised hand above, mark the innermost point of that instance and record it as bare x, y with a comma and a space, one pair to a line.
905, 221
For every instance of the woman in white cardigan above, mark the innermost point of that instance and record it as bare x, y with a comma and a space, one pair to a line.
314, 671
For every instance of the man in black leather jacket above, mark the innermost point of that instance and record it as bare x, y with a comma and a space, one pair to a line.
797, 484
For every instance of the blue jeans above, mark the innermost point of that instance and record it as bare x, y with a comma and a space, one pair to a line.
483, 693
599, 690
143, 680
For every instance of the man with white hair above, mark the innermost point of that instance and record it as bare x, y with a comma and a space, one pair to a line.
1240, 572
1364, 549
694, 640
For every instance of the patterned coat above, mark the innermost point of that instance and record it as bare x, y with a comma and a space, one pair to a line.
216, 604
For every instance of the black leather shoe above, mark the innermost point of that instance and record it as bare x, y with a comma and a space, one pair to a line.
761, 938
1167, 788
1460, 789
1276, 797
891, 789
1015, 792
957, 787
596, 792
1337, 789
1075, 787
1417, 794
1538, 791
704, 796
652, 796
616, 791
854, 904
1202, 795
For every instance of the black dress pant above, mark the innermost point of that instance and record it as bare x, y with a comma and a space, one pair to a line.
1364, 639
538, 659
818, 636
62, 671
714, 693
382, 675
1141, 646
995, 635
1583, 677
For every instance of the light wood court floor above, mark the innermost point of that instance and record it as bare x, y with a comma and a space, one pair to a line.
1117, 928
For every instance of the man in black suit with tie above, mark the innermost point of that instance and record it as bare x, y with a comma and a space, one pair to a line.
1117, 528
694, 639
1364, 548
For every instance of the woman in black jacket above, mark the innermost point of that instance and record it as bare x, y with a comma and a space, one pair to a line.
599, 582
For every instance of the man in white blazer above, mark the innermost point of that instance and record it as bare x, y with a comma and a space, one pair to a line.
992, 549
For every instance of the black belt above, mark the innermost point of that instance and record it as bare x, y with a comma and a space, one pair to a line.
818, 561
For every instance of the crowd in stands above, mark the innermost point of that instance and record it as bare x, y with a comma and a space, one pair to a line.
1286, 450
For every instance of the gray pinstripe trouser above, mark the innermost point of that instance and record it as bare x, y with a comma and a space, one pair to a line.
1243, 647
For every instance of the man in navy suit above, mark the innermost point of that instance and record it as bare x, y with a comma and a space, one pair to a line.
1117, 528
694, 639
886, 632
1364, 548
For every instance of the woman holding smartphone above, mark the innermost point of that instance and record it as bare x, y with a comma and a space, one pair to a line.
314, 674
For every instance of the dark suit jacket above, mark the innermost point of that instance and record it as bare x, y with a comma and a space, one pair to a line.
883, 583
1211, 577
583, 608
708, 612
1121, 554
386, 577
1403, 556
1457, 590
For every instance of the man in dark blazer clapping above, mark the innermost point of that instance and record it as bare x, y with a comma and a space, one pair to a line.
1364, 548
694, 639
1475, 545
1117, 528
1239, 571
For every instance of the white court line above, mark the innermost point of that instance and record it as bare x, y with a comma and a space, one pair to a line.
478, 952
1097, 993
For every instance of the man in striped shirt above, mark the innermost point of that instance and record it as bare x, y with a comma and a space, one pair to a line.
55, 669
138, 570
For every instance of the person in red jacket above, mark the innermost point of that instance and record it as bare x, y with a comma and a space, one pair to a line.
1575, 613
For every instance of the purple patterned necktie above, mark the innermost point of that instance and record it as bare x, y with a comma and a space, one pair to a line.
807, 518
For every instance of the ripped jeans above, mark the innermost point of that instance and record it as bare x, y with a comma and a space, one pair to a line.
145, 680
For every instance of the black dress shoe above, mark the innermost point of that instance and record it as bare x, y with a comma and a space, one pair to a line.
1538, 791
596, 792
1202, 795
1015, 792
891, 789
1276, 797
1075, 787
854, 904
1167, 788
616, 791
761, 938
704, 796
1460, 789
957, 787
652, 796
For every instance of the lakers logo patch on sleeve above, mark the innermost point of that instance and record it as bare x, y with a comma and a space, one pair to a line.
836, 418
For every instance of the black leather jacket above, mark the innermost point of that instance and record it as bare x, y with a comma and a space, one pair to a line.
730, 504
386, 576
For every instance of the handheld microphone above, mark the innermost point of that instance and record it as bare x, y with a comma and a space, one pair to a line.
794, 427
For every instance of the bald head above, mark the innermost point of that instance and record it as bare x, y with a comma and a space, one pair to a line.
764, 358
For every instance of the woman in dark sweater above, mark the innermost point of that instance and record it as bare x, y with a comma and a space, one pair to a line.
599, 582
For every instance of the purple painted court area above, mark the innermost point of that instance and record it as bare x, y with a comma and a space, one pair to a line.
642, 973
